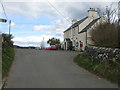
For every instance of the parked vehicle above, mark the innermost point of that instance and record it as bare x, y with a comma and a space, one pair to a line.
48, 48
53, 47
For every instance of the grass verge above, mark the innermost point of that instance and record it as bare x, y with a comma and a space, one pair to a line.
7, 59
109, 70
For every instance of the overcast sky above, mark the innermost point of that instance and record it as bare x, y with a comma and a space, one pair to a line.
31, 21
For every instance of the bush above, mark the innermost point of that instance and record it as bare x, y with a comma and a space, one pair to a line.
105, 35
7, 59
7, 54
119, 36
7, 40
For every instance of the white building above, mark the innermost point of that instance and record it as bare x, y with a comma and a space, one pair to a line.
80, 30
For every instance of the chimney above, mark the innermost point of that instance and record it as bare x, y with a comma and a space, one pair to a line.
92, 13
74, 21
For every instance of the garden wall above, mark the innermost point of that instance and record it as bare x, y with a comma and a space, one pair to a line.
100, 53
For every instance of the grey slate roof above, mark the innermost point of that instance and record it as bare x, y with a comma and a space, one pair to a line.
89, 25
76, 24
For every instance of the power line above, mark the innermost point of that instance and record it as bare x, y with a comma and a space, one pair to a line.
58, 11
4, 9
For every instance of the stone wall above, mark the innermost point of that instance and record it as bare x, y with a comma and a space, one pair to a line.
100, 53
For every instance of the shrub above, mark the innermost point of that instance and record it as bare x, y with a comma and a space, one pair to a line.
105, 35
7, 54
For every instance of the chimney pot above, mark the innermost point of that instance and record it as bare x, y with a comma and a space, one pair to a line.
74, 21
92, 13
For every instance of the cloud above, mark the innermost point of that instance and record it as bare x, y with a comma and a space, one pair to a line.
23, 32
68, 10
33, 10
29, 9
42, 27
25, 44
33, 40
48, 33
61, 0
12, 24
59, 31
58, 27
74, 10
27, 39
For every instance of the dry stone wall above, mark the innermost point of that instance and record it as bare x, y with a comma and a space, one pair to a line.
100, 53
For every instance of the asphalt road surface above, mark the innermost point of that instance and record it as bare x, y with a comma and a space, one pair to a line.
51, 69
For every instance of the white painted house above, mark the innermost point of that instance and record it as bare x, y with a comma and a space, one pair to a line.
80, 30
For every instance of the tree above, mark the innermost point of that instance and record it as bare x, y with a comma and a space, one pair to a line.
105, 35
53, 41
119, 36
110, 13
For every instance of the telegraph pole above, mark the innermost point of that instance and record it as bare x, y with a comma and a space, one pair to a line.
9, 27
3, 21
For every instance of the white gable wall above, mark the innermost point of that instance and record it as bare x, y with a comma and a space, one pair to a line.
75, 34
101, 20
82, 36
67, 34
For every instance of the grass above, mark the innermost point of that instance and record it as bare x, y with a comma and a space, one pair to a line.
109, 70
7, 59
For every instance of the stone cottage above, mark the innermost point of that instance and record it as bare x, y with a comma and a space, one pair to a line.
79, 31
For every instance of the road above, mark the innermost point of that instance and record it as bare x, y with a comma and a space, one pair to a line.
51, 69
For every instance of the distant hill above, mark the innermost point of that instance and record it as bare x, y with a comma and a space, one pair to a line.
29, 47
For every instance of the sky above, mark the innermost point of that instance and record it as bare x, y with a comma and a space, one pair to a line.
35, 20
